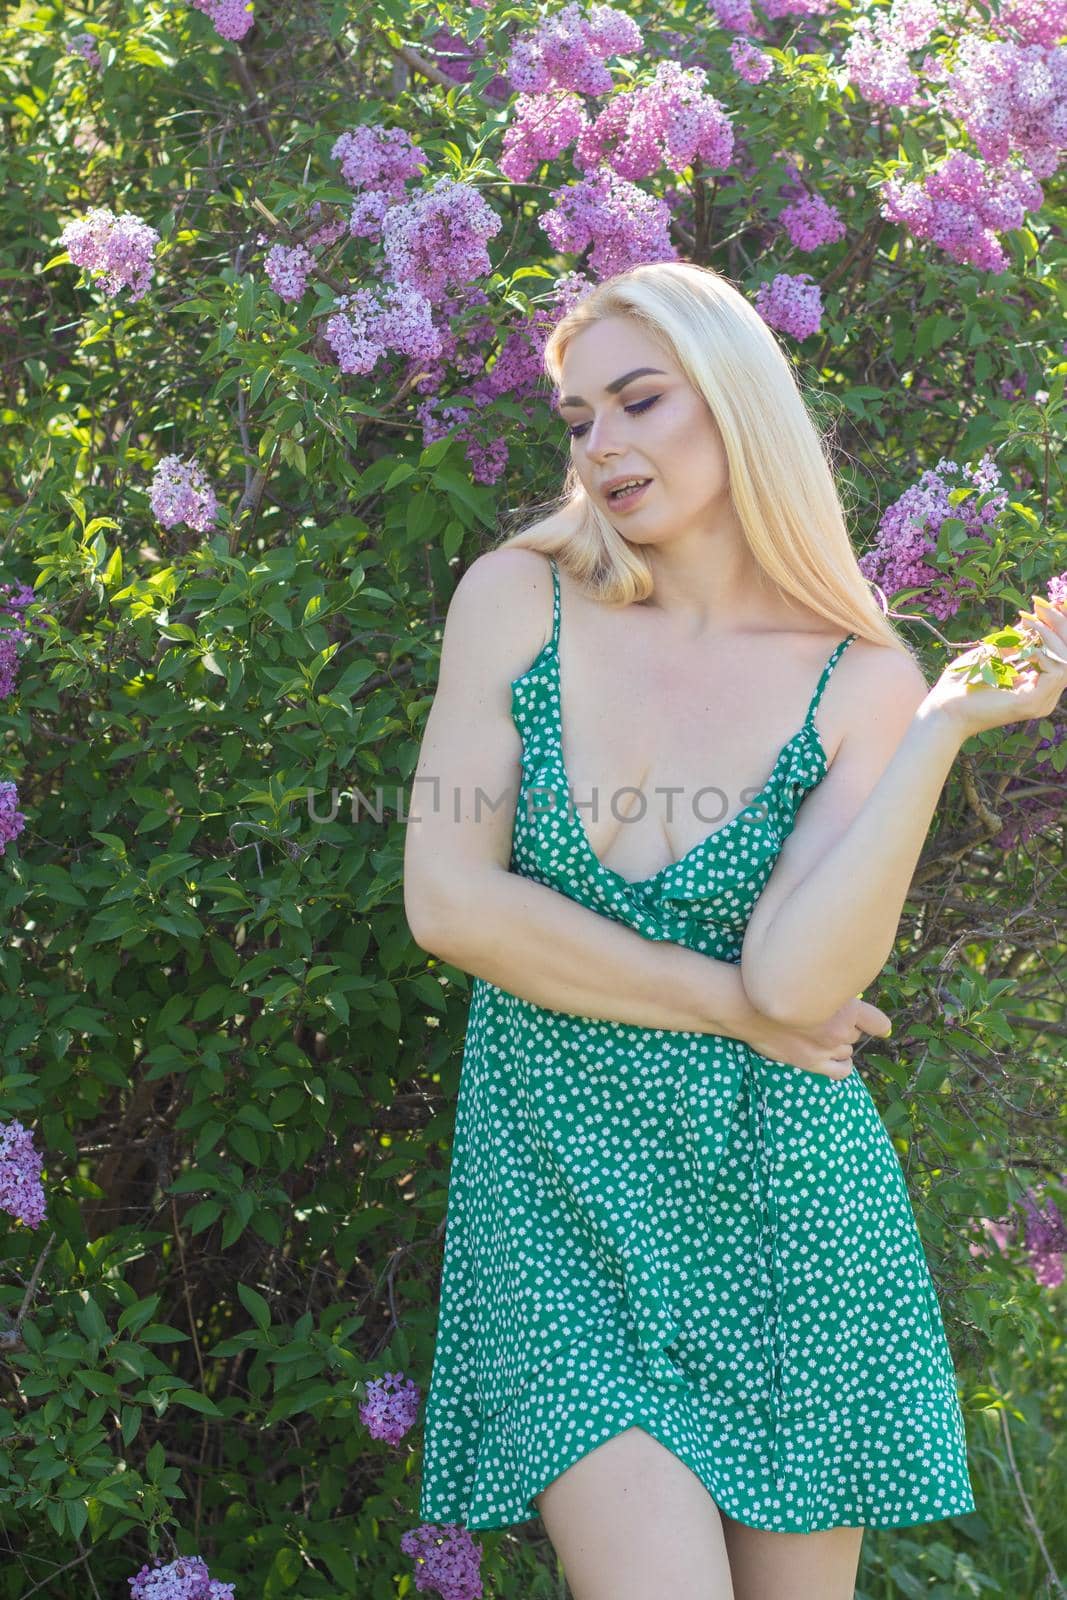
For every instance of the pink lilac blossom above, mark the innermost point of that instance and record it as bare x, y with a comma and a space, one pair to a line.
620, 224
670, 121
876, 58
391, 1407
329, 232
447, 1560
542, 127
438, 237
181, 493
750, 63
12, 820
1033, 21
288, 268
799, 8
21, 1193
375, 157
1028, 814
231, 19
960, 206
120, 247
460, 60
734, 15
363, 328
83, 44
811, 222
1045, 1238
791, 303
15, 601
909, 529
567, 50
186, 1578
1012, 99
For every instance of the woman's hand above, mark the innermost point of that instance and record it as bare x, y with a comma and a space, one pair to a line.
825, 1048
1013, 675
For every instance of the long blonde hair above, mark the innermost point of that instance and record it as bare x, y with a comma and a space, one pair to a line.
781, 481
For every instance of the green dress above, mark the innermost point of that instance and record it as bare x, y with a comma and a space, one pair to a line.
666, 1229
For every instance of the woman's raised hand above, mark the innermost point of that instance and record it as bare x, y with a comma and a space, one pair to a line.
1013, 675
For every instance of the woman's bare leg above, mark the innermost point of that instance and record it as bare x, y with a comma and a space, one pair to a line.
792, 1566
629, 1521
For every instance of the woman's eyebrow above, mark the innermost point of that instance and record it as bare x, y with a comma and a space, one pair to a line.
610, 388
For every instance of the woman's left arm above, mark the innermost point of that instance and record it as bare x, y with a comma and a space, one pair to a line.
827, 919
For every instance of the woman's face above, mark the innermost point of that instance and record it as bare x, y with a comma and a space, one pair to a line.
656, 426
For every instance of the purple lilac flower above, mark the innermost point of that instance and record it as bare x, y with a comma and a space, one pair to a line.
669, 122
288, 268
364, 327
374, 157
438, 237
231, 19
791, 303
621, 224
1045, 1239
811, 222
185, 1578
118, 246
909, 529
1034, 21
21, 1194
12, 820
749, 62
15, 602
391, 1407
876, 58
181, 493
1012, 99
83, 44
567, 50
960, 206
447, 1560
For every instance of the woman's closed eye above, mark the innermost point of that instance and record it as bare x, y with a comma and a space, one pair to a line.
638, 406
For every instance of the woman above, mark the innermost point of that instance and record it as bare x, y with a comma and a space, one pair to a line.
685, 1312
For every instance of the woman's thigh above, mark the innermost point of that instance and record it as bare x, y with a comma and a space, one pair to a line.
792, 1566
629, 1521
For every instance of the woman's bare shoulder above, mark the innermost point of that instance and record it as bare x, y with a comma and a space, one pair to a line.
503, 604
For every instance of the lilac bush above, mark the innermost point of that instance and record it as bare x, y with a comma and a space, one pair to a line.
311, 263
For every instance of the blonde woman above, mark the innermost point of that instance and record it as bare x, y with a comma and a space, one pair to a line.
673, 787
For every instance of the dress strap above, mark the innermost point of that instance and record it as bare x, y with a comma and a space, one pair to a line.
555, 602
838, 651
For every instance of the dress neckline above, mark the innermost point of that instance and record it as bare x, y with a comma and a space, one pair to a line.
807, 730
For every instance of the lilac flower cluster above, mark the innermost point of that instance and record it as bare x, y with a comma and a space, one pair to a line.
180, 492
811, 221
1040, 1229
1034, 21
366, 325
186, 1578
391, 1407
119, 247
620, 224
83, 44
458, 58
379, 159
447, 1560
749, 62
12, 820
1012, 99
438, 238
21, 1194
15, 601
961, 205
231, 19
567, 50
669, 121
876, 58
734, 15
1030, 814
909, 529
288, 268
793, 304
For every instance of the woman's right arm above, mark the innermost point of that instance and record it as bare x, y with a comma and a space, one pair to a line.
463, 903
